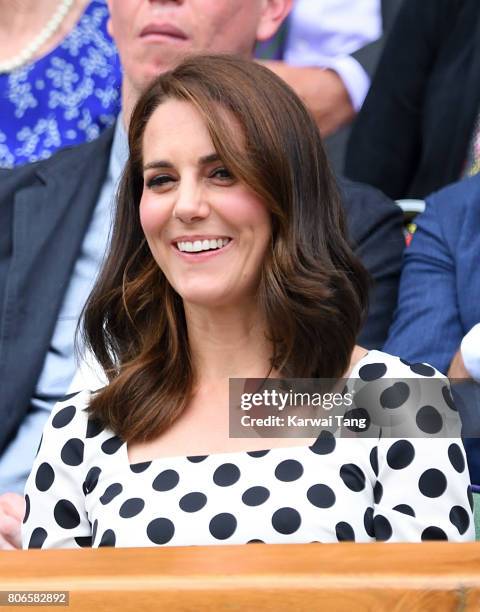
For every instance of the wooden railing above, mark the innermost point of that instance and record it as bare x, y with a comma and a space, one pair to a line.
341, 577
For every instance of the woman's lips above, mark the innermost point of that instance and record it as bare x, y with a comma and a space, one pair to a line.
201, 255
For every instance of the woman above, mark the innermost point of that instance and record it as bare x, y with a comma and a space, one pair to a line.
59, 76
228, 259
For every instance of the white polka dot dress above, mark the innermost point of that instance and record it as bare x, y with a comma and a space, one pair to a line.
82, 491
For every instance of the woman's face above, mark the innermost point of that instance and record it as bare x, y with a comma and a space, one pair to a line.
207, 231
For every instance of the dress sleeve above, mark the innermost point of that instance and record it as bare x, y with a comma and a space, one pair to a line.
55, 514
422, 491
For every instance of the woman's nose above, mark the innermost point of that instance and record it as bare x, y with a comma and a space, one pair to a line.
191, 204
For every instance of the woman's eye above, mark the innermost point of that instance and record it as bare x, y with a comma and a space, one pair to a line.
159, 180
222, 174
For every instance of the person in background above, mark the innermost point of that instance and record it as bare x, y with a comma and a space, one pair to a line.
418, 129
229, 260
314, 56
466, 361
327, 50
42, 297
60, 76
439, 297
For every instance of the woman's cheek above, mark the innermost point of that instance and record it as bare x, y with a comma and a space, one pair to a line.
152, 218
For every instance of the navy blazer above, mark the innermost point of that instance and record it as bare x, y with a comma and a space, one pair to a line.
45, 210
439, 299
412, 134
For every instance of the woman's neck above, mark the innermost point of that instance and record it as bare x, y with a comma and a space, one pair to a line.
23, 20
227, 343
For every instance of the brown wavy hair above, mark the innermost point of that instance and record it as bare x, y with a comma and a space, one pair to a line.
312, 293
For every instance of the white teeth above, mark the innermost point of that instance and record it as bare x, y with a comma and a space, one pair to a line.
202, 245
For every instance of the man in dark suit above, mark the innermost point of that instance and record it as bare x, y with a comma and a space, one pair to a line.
55, 218
412, 135
439, 299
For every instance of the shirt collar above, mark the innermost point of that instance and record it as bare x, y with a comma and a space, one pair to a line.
119, 152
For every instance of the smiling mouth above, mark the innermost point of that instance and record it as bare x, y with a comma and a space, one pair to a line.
202, 246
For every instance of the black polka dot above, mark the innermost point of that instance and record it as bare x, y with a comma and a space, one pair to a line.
355, 414
91, 480
66, 515
372, 371
166, 480
84, 541
470, 497
321, 496
286, 520
377, 492
193, 502
382, 528
255, 496
353, 477
197, 458
400, 454
63, 417
44, 477
289, 470
27, 508
111, 492
368, 522
432, 483
108, 538
72, 452
259, 453
94, 427
433, 533
460, 518
131, 507
422, 369
374, 460
405, 509
395, 396
226, 474
324, 444
456, 457
404, 361
255, 542
429, 420
447, 396
344, 532
160, 530
138, 468
37, 538
223, 525
111, 446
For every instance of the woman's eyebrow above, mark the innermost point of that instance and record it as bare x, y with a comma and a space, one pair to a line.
158, 164
208, 159
161, 163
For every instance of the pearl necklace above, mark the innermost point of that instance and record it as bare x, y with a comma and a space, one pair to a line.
48, 31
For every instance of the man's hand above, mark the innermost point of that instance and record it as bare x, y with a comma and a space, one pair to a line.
322, 90
12, 510
457, 367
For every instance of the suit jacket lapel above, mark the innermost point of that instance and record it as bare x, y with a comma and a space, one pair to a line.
50, 219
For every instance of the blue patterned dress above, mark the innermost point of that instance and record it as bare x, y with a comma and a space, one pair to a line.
65, 97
